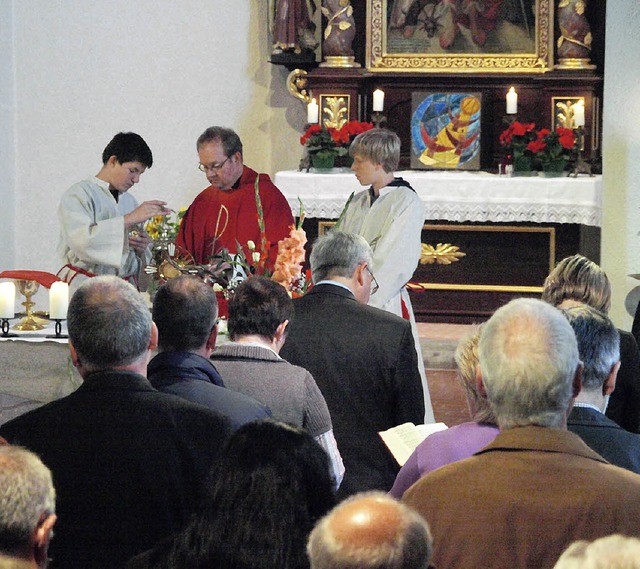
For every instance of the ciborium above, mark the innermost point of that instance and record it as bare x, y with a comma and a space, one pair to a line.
28, 288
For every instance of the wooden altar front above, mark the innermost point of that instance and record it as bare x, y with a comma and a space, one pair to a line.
486, 239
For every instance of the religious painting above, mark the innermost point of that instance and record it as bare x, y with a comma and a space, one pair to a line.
454, 36
445, 131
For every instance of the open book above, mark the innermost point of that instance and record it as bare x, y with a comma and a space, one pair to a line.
403, 439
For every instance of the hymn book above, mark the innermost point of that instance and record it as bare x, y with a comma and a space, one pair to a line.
403, 439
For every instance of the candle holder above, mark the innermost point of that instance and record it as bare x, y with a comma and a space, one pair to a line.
510, 118
377, 118
58, 330
581, 166
5, 329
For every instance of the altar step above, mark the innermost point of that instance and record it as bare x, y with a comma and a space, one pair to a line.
438, 343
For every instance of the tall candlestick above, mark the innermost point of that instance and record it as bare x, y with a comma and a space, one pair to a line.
512, 102
312, 112
7, 300
578, 114
378, 100
58, 300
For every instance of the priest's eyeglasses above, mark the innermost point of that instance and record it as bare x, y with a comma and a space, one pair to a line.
213, 167
374, 283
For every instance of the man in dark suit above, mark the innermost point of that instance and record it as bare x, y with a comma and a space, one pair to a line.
129, 463
363, 359
599, 347
185, 311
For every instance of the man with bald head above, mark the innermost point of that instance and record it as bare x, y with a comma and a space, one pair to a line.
370, 531
519, 501
129, 462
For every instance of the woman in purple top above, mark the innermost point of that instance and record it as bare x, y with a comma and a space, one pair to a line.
462, 440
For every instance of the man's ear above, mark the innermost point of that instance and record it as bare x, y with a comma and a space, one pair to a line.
610, 383
41, 537
577, 380
213, 337
75, 359
281, 331
113, 160
153, 342
360, 274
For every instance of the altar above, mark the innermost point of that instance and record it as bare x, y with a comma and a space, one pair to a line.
486, 239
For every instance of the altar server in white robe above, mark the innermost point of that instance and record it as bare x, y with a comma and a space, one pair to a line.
101, 231
390, 216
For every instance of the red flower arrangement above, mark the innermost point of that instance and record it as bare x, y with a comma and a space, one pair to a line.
528, 147
332, 141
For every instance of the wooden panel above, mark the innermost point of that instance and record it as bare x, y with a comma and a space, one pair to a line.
502, 261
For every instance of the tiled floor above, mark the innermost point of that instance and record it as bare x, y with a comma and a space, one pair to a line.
447, 396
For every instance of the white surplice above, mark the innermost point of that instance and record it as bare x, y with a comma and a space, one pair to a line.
392, 226
93, 235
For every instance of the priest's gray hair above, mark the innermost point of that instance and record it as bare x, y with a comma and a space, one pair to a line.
109, 323
528, 357
338, 254
26, 493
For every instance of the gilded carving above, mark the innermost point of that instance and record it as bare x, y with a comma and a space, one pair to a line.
441, 254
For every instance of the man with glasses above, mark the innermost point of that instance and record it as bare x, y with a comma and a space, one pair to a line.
362, 358
225, 213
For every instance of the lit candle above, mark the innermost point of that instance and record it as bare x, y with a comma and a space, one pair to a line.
378, 100
312, 112
7, 300
512, 102
578, 113
58, 300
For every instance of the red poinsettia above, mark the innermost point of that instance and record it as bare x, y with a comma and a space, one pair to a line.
528, 147
328, 140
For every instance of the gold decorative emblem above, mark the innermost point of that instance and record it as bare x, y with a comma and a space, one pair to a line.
441, 254
335, 111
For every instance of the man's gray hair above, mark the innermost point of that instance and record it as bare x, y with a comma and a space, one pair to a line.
185, 311
26, 493
406, 545
338, 254
528, 357
610, 552
598, 344
109, 323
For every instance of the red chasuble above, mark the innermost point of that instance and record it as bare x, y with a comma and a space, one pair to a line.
207, 227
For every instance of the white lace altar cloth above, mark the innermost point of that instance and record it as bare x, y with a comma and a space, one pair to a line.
460, 196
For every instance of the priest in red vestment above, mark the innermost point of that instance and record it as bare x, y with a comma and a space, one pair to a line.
225, 213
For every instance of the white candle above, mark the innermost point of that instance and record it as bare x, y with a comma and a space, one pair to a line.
312, 112
512, 102
578, 113
58, 300
7, 300
378, 100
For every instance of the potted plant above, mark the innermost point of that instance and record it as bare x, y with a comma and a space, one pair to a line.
553, 150
530, 149
325, 144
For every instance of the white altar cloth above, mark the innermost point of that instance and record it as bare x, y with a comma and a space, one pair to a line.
460, 196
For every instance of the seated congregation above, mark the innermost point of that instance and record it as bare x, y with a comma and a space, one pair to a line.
263, 451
